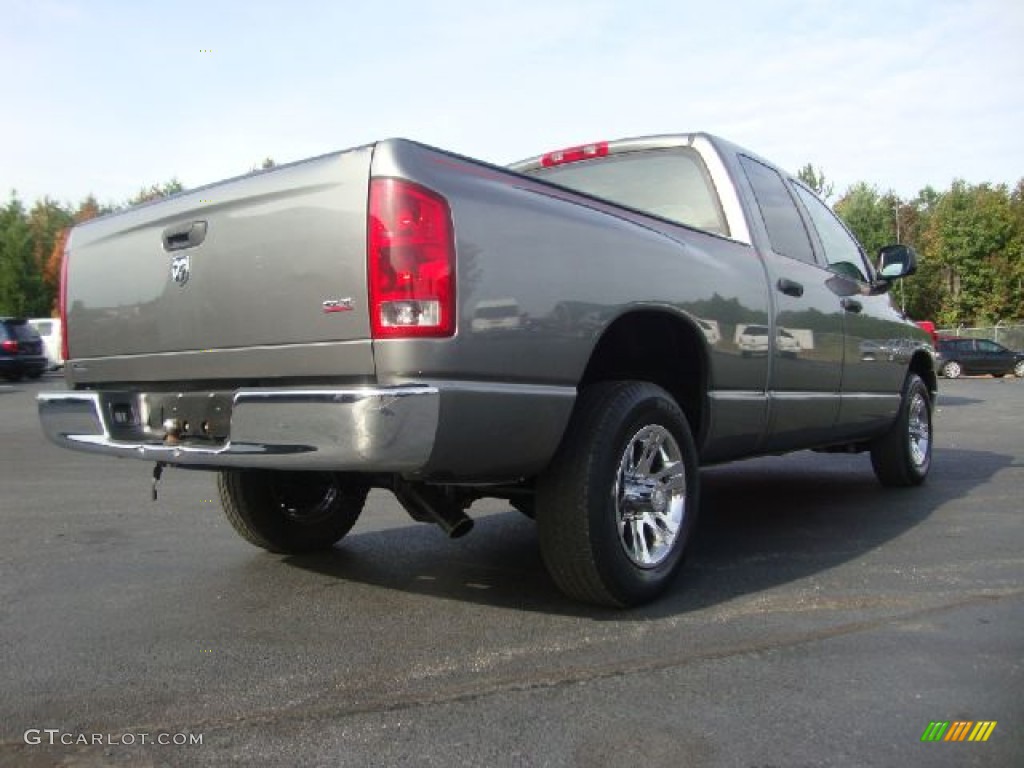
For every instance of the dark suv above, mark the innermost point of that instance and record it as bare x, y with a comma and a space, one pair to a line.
21, 350
960, 356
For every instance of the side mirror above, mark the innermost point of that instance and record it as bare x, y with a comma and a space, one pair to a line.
896, 261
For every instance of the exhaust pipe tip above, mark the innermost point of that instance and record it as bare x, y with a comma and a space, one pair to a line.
431, 505
456, 528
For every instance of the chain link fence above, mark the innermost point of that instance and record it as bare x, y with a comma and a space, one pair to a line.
1008, 334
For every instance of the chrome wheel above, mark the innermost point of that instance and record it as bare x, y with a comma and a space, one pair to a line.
919, 430
902, 456
952, 370
650, 496
617, 505
1018, 370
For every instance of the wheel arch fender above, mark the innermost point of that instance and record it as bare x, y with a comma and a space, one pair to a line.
662, 345
923, 364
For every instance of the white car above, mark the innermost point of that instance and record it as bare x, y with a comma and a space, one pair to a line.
710, 330
51, 332
787, 343
496, 315
753, 340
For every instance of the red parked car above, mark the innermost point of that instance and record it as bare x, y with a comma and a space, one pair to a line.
929, 326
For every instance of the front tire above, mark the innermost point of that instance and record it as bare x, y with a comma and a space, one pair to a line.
1018, 370
616, 507
291, 512
902, 457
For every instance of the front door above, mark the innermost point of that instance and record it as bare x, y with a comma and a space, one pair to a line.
877, 349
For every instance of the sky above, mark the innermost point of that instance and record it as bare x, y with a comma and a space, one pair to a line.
105, 97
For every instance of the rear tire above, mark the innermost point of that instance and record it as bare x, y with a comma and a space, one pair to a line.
617, 505
291, 512
952, 370
902, 457
1018, 370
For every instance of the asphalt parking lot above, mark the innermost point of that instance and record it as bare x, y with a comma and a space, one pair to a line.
821, 621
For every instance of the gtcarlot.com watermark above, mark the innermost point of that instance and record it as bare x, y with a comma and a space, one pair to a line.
56, 737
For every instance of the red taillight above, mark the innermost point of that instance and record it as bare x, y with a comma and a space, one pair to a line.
411, 261
575, 154
10, 347
63, 299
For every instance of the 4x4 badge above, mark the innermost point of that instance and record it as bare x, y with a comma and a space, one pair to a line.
180, 268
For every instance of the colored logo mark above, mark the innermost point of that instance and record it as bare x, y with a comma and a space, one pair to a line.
958, 730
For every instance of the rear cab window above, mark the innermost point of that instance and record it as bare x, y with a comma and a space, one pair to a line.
672, 184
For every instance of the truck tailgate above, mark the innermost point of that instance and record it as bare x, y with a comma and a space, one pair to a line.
259, 276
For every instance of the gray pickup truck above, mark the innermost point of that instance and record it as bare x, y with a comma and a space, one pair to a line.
576, 334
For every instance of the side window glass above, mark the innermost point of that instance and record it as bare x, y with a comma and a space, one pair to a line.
988, 347
842, 252
781, 218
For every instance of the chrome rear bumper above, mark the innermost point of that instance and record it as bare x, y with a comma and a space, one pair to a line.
353, 429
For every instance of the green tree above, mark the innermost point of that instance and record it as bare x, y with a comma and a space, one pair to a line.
21, 283
87, 209
1010, 270
869, 215
268, 163
156, 191
46, 221
924, 294
970, 235
880, 219
815, 179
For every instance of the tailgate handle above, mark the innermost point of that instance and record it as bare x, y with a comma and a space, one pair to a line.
187, 235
